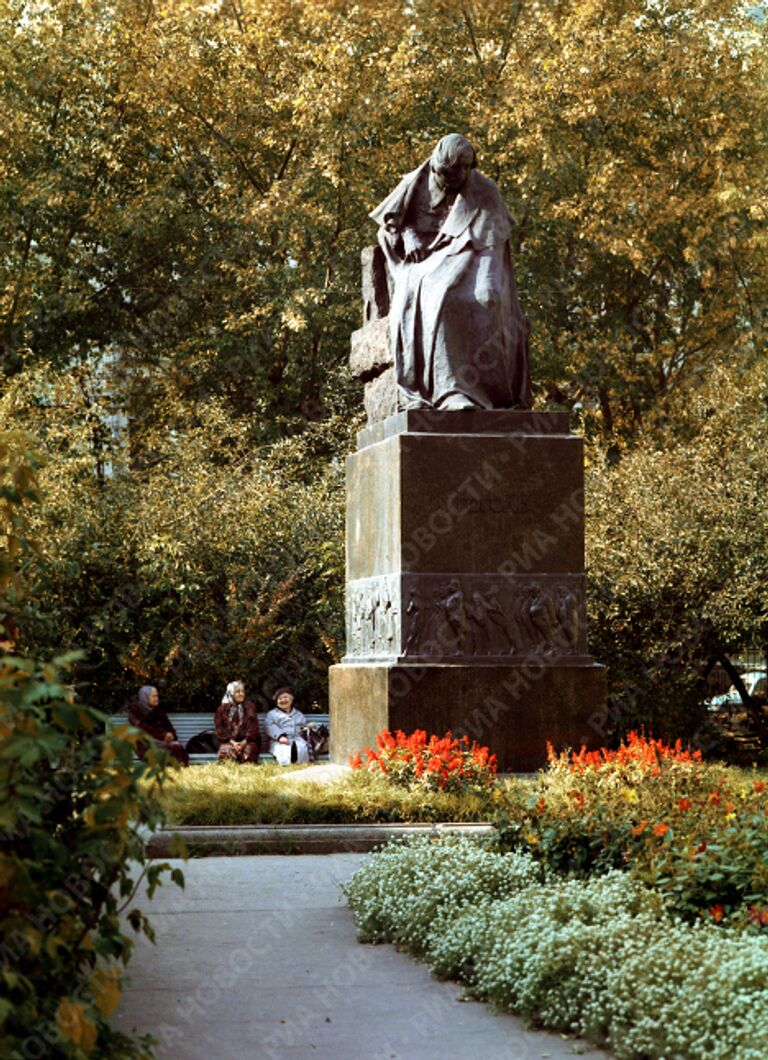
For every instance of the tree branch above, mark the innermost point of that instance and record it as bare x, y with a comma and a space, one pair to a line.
471, 31
242, 164
514, 15
287, 159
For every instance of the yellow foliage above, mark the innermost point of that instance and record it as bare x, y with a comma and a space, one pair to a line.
74, 1024
105, 983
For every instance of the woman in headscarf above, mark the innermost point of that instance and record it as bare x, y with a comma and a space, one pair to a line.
285, 726
237, 726
146, 714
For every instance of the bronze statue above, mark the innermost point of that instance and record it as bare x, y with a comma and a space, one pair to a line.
459, 338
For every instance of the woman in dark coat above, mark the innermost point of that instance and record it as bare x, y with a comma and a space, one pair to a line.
146, 714
237, 726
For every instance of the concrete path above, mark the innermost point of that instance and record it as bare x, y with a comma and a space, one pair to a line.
258, 957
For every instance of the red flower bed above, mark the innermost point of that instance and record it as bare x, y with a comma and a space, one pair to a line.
637, 750
436, 762
696, 831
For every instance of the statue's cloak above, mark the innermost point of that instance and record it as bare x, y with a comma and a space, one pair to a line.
459, 338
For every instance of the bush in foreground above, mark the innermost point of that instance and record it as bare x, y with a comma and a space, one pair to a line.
603, 959
73, 800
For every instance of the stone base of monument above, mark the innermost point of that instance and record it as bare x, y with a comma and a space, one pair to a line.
515, 710
465, 586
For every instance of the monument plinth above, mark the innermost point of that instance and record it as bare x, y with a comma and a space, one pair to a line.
465, 518
465, 585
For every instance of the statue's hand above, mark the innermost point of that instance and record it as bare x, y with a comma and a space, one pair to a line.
414, 246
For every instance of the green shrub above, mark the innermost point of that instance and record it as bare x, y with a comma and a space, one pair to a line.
73, 803
603, 959
221, 559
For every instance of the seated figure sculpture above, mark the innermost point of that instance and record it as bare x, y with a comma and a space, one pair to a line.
458, 336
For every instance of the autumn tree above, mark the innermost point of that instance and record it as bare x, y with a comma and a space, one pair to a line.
216, 563
184, 190
188, 184
678, 553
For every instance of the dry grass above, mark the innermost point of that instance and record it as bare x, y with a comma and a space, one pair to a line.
226, 793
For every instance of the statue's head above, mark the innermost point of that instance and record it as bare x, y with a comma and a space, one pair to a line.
451, 161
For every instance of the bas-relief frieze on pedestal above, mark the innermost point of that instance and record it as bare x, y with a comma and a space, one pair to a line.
444, 617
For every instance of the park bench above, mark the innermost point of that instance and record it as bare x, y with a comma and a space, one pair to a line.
188, 725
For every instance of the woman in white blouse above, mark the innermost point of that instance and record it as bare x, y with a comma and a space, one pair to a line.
284, 723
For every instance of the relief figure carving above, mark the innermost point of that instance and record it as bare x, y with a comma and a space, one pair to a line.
356, 623
541, 610
570, 619
457, 619
415, 619
490, 618
389, 627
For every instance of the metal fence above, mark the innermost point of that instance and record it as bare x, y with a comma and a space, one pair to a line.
745, 661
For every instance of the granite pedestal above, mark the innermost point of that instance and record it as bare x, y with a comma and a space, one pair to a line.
465, 585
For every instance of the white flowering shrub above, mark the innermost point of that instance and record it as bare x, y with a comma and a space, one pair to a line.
603, 959
402, 893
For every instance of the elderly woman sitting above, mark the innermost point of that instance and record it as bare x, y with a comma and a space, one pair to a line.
284, 728
237, 726
146, 714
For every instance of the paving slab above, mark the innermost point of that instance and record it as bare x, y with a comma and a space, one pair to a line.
258, 958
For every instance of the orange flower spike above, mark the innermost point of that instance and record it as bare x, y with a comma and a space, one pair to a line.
356, 761
717, 913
